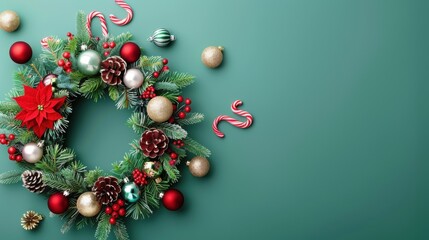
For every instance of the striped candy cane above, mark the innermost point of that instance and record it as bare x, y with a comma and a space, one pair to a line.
44, 41
100, 16
233, 121
126, 20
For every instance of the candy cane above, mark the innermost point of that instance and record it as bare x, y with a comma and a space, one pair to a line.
126, 20
44, 41
233, 121
100, 16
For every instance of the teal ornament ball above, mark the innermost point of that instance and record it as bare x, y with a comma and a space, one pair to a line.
162, 37
131, 192
89, 62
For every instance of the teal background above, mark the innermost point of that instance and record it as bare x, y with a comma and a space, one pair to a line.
339, 92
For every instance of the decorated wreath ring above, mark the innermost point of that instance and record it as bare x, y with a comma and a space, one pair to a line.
34, 119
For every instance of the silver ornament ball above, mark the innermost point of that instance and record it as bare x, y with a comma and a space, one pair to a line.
89, 62
9, 21
199, 166
88, 205
212, 57
133, 78
32, 152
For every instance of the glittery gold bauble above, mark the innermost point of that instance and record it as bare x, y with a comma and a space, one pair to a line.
152, 169
87, 204
159, 109
199, 166
212, 57
9, 21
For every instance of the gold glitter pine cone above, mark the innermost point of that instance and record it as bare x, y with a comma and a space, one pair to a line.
30, 220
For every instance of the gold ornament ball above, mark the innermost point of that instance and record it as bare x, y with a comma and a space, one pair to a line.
199, 166
9, 21
212, 57
88, 205
159, 109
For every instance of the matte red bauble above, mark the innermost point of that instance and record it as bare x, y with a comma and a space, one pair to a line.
20, 52
173, 199
58, 203
130, 52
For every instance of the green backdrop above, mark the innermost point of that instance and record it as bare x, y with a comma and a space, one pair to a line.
339, 91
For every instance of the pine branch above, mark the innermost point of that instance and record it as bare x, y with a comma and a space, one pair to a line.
9, 107
139, 122
93, 88
191, 118
172, 131
71, 216
167, 86
103, 227
121, 232
10, 177
92, 176
81, 31
180, 79
196, 148
113, 93
151, 64
140, 209
172, 172
55, 159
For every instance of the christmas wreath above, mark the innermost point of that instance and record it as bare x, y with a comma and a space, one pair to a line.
35, 116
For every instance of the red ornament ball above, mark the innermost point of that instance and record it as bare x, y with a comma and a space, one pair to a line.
130, 52
20, 52
58, 203
173, 199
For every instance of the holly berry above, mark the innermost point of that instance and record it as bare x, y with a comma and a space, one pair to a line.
187, 109
106, 53
122, 212
188, 101
69, 34
149, 93
66, 55
182, 115
173, 155
171, 120
18, 158
11, 150
61, 62
156, 74
121, 202
68, 70
112, 221
11, 137
105, 45
172, 162
3, 141
12, 157
115, 214
180, 99
68, 65
116, 207
165, 61
108, 210
112, 44
165, 68
2, 136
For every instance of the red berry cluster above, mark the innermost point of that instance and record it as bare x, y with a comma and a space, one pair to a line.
107, 46
178, 143
70, 35
173, 158
65, 63
14, 154
140, 178
186, 107
148, 93
116, 210
165, 68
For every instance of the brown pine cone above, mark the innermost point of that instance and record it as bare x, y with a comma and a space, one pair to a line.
32, 180
106, 190
154, 143
112, 70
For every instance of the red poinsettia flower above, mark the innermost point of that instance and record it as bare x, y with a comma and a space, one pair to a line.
39, 108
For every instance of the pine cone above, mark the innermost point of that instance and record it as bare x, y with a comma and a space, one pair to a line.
106, 190
153, 143
32, 180
30, 220
112, 70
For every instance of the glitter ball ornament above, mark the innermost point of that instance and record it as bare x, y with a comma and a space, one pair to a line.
89, 62
162, 37
173, 199
159, 109
199, 166
20, 52
9, 21
58, 203
133, 78
87, 204
32, 152
130, 191
212, 57
130, 52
